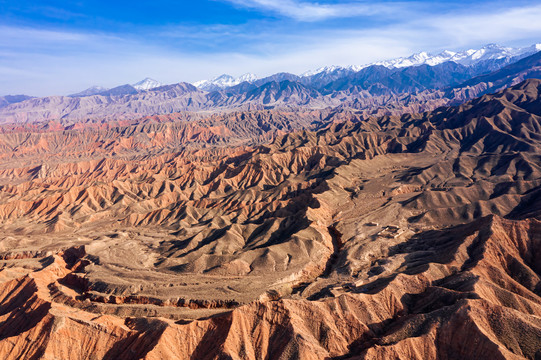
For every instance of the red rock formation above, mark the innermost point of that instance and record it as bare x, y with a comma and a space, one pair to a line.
470, 302
393, 237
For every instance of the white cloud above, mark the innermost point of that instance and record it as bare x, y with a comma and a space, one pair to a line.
306, 11
40, 62
497, 26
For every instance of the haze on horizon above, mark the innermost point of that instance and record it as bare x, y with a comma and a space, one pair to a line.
59, 47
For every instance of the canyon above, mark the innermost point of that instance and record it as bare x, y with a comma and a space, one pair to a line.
400, 225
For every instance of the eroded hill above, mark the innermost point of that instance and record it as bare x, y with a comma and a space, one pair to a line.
412, 236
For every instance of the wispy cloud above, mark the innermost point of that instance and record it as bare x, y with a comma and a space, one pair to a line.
44, 62
12, 34
490, 25
307, 11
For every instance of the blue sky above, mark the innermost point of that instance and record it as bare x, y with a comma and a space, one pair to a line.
59, 47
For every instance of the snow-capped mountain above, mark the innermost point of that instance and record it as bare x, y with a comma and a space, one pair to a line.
332, 69
147, 84
488, 58
143, 85
90, 91
224, 81
370, 89
467, 58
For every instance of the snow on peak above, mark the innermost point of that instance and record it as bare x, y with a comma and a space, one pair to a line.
466, 57
531, 49
90, 91
247, 77
323, 70
147, 84
224, 81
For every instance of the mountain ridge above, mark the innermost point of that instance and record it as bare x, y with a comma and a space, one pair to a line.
359, 236
375, 89
469, 57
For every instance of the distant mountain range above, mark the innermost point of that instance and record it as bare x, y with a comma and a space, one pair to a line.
489, 56
12, 99
379, 89
224, 81
143, 85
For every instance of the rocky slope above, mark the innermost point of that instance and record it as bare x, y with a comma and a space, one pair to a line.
12, 99
235, 236
375, 90
513, 74
123, 102
486, 59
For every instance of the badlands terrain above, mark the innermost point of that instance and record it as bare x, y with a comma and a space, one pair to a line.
369, 231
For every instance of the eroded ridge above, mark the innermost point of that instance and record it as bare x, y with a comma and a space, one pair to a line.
470, 290
411, 236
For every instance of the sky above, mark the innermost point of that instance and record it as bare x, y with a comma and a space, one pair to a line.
61, 47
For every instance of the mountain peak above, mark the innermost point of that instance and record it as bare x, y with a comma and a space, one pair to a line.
224, 77
224, 81
93, 90
147, 84
467, 58
494, 46
249, 77
321, 70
